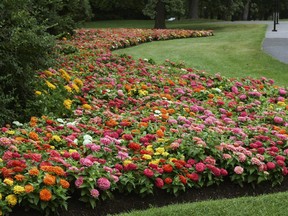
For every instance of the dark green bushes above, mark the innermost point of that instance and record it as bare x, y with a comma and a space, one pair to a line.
26, 45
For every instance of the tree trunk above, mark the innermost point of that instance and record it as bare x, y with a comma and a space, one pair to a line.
246, 10
193, 9
160, 15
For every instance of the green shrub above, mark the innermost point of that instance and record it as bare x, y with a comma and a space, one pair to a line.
25, 47
61, 16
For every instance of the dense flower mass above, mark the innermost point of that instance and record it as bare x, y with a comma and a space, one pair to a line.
123, 125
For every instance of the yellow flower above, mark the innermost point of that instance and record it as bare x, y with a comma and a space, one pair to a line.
11, 132
50, 85
147, 157
160, 150
18, 189
48, 73
281, 103
87, 106
67, 103
143, 92
11, 199
1, 160
52, 147
68, 88
165, 154
75, 87
0, 196
126, 162
78, 82
56, 138
38, 92
72, 150
8, 181
65, 75
1, 213
156, 162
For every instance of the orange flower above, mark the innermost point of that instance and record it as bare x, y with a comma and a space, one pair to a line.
29, 188
49, 179
143, 124
111, 123
33, 121
45, 195
34, 171
58, 171
160, 133
171, 111
19, 177
65, 184
33, 136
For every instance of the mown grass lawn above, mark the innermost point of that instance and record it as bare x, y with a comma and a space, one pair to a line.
234, 51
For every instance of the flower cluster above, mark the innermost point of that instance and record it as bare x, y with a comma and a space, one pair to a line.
140, 127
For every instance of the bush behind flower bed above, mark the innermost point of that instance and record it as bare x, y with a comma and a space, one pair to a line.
125, 126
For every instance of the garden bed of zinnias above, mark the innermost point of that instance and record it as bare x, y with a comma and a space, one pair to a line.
115, 125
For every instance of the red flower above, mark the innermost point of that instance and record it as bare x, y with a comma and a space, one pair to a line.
223, 172
167, 168
270, 165
183, 179
159, 182
193, 176
280, 163
168, 180
134, 146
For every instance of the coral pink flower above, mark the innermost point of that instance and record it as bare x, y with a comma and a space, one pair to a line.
238, 170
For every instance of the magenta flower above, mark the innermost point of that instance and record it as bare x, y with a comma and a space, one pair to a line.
79, 181
103, 183
278, 120
94, 193
148, 172
200, 167
159, 182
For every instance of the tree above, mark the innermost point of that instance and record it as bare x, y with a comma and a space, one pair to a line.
160, 9
193, 9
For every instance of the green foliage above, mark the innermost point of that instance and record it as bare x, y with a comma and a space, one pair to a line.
117, 9
61, 15
24, 47
173, 7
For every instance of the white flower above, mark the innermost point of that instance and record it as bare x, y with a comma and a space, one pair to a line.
71, 123
157, 111
75, 141
60, 120
217, 90
86, 141
17, 123
87, 137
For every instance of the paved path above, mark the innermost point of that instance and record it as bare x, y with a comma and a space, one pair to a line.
275, 43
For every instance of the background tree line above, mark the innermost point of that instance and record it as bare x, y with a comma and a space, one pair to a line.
29, 28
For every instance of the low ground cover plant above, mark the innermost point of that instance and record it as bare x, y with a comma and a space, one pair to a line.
111, 123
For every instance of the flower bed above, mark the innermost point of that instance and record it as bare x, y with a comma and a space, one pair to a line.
111, 123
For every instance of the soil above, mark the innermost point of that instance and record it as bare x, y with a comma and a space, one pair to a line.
123, 203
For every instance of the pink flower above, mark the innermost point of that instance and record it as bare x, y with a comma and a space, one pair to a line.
86, 162
159, 182
280, 163
148, 172
200, 167
79, 181
278, 120
224, 172
238, 170
94, 193
103, 183
174, 145
75, 155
